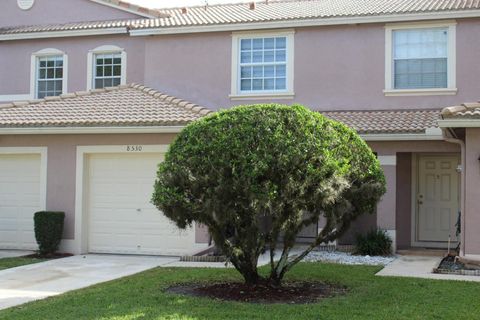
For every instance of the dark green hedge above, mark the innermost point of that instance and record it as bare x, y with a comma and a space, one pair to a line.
48, 230
374, 243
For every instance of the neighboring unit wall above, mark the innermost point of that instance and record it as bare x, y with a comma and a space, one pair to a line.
58, 11
336, 67
471, 215
15, 58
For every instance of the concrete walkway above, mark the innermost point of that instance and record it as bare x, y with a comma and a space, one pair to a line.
420, 267
40, 280
14, 253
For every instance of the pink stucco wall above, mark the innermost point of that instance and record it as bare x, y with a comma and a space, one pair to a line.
336, 67
471, 215
15, 60
58, 11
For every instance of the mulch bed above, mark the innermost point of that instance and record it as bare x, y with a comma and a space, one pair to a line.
290, 292
49, 256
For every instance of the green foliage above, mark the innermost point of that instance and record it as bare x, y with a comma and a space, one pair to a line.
251, 172
48, 230
374, 243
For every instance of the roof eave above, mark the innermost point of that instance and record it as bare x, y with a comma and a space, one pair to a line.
307, 22
459, 123
429, 134
62, 34
91, 130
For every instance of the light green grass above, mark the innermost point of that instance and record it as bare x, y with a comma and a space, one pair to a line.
142, 296
6, 263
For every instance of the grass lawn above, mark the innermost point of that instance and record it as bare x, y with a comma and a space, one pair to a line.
141, 297
6, 263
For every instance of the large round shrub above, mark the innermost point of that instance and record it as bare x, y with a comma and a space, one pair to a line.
257, 175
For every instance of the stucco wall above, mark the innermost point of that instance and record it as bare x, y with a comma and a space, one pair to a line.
471, 215
61, 167
15, 60
336, 67
58, 11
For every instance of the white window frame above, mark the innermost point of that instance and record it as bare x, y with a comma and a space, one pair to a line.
451, 59
106, 49
288, 93
33, 69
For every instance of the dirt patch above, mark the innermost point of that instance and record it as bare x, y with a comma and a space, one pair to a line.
291, 292
49, 256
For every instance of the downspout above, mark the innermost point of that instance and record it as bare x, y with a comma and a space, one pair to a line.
448, 136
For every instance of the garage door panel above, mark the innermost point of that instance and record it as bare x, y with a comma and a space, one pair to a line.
20, 198
121, 217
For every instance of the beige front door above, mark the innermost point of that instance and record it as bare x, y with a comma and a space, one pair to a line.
437, 198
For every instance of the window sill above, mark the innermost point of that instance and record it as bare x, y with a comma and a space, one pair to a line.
419, 92
262, 96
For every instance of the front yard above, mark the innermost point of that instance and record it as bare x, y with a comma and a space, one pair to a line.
141, 297
6, 263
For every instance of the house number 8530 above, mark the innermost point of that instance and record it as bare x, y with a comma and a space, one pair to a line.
134, 148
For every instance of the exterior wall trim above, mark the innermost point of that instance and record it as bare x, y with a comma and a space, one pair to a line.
388, 160
433, 134
310, 22
62, 34
91, 130
15, 97
43, 152
79, 244
459, 123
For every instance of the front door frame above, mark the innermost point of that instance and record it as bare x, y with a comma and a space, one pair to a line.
414, 211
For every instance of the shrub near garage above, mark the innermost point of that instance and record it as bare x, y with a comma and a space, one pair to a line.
251, 173
48, 230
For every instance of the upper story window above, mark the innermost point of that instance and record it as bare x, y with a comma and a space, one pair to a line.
106, 67
420, 59
49, 73
262, 65
49, 76
108, 70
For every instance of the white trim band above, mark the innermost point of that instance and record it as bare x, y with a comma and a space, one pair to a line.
388, 160
91, 130
62, 34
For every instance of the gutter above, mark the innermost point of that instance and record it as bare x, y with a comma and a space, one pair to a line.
448, 137
91, 130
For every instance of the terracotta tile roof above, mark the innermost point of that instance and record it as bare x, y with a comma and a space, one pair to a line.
387, 122
469, 110
238, 13
304, 9
128, 105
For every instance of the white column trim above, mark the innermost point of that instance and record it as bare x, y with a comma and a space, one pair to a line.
388, 160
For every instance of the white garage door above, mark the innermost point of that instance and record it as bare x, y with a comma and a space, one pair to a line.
20, 198
121, 217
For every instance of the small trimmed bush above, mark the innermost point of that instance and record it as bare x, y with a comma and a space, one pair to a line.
374, 243
48, 230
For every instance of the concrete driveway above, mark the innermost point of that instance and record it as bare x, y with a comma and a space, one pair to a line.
37, 281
